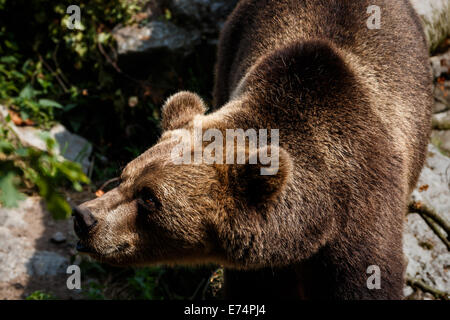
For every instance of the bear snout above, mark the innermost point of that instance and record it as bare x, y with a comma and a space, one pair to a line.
84, 221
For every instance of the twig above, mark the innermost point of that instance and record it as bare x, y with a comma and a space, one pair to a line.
58, 78
167, 291
91, 168
58, 69
197, 289
430, 222
115, 66
419, 284
108, 182
422, 209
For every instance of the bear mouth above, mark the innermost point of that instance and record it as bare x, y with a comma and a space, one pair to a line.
121, 247
85, 248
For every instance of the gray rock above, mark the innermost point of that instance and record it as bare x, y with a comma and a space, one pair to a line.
428, 258
192, 21
435, 16
16, 251
154, 35
440, 64
439, 107
441, 121
14, 254
436, 175
18, 254
208, 14
58, 237
13, 217
407, 291
441, 139
70, 146
47, 263
442, 95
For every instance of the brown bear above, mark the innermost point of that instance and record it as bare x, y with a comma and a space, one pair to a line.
352, 104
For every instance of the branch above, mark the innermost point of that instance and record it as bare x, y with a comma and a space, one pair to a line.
58, 69
104, 185
422, 209
419, 284
436, 230
58, 78
433, 220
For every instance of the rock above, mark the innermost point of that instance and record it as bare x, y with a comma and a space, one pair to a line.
442, 94
439, 107
440, 64
435, 16
190, 22
20, 230
58, 237
441, 139
435, 175
47, 263
15, 251
207, 15
407, 291
14, 254
441, 121
70, 146
428, 258
155, 35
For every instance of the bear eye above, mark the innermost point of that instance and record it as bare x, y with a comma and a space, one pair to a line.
147, 199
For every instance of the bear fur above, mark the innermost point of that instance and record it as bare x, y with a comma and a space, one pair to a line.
353, 108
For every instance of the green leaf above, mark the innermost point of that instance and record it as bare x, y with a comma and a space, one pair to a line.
9, 195
39, 295
49, 103
103, 37
69, 107
23, 152
8, 59
6, 147
27, 92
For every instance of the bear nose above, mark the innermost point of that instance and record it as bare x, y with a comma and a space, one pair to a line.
84, 221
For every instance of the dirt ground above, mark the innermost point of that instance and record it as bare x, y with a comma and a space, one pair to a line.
37, 231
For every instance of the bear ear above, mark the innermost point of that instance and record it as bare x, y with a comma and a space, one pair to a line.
180, 109
257, 184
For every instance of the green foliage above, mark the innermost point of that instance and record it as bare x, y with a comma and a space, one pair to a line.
32, 81
9, 195
95, 291
22, 166
33, 84
144, 282
39, 295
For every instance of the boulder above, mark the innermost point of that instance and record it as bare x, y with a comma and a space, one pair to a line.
47, 263
441, 120
435, 15
70, 146
428, 257
173, 25
441, 139
155, 35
